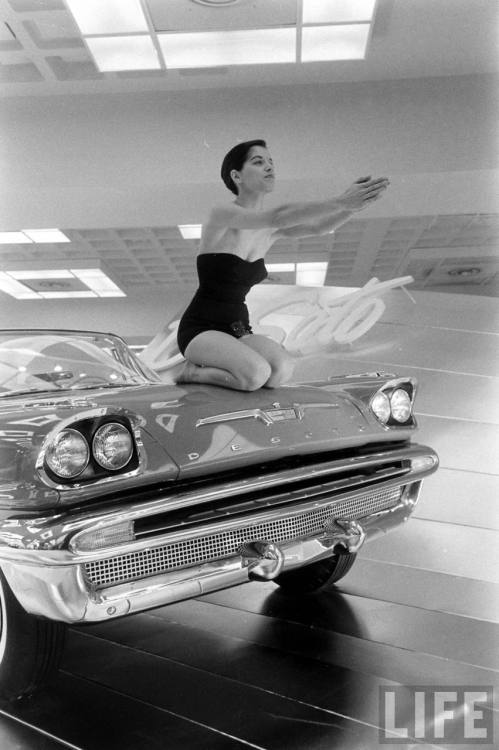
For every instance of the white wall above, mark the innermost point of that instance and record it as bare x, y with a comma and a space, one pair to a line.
153, 159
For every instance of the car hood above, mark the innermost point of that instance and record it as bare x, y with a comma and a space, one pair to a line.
198, 430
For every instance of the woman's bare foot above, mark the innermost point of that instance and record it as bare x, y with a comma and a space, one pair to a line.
187, 374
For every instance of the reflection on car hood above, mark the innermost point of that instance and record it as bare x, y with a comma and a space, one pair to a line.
206, 429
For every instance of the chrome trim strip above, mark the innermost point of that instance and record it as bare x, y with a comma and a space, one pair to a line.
68, 557
11, 530
60, 592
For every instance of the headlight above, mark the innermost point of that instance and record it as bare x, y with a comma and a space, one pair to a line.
400, 403
68, 454
112, 446
381, 407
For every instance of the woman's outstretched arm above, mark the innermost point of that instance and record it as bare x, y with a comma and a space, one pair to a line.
358, 196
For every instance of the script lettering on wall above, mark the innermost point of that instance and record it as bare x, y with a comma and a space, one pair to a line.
307, 321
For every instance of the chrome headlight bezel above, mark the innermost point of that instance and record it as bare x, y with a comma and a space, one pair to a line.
386, 393
87, 424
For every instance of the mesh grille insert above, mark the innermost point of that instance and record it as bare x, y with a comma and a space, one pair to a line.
223, 544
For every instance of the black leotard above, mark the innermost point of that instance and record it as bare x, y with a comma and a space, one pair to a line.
219, 303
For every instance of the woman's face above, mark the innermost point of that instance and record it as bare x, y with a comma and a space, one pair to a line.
257, 173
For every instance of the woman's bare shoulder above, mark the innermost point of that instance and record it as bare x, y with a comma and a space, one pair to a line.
238, 217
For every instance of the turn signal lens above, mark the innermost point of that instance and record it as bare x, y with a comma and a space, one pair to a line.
381, 407
68, 454
112, 446
106, 536
400, 402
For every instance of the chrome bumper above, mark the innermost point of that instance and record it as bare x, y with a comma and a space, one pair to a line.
51, 583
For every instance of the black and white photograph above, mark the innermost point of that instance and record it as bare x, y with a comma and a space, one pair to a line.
249, 374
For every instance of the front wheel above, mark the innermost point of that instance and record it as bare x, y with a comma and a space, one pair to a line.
316, 576
30, 647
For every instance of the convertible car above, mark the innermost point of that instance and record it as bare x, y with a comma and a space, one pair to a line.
119, 492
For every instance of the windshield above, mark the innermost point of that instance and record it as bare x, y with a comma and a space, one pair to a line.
40, 361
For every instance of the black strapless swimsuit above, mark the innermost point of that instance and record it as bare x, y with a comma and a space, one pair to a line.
219, 304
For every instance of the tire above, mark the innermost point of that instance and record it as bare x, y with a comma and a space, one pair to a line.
316, 576
30, 647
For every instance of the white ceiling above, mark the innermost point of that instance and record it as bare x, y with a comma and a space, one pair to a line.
42, 51
43, 54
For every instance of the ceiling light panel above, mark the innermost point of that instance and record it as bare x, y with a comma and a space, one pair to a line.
108, 16
182, 15
65, 295
98, 282
311, 274
338, 11
14, 238
211, 49
280, 267
113, 53
15, 288
190, 231
326, 43
46, 235
61, 273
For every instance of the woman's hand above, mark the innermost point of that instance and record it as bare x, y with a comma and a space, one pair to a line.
364, 191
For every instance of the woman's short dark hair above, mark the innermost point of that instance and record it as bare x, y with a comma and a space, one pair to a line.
235, 159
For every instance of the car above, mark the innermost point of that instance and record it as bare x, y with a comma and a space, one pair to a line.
120, 492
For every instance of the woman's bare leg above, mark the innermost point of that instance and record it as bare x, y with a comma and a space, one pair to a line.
281, 362
220, 359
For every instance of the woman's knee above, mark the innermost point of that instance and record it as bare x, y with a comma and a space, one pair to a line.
281, 373
255, 375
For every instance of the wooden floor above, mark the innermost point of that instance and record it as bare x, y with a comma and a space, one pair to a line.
250, 668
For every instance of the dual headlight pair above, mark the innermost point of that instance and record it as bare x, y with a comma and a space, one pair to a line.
70, 452
394, 407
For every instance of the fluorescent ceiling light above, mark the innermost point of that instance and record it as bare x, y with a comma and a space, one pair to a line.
108, 16
190, 231
15, 288
96, 281
348, 42
65, 295
42, 274
337, 11
13, 238
112, 53
46, 235
214, 48
280, 267
311, 274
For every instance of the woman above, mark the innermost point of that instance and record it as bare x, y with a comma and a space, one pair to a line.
214, 333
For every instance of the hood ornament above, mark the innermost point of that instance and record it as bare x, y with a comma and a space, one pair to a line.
269, 417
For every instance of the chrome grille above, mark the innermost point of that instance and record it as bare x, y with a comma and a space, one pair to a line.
225, 544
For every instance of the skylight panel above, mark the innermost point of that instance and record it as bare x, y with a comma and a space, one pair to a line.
338, 11
98, 282
113, 53
280, 267
94, 281
311, 274
46, 235
14, 238
245, 47
190, 231
108, 16
326, 43
15, 288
